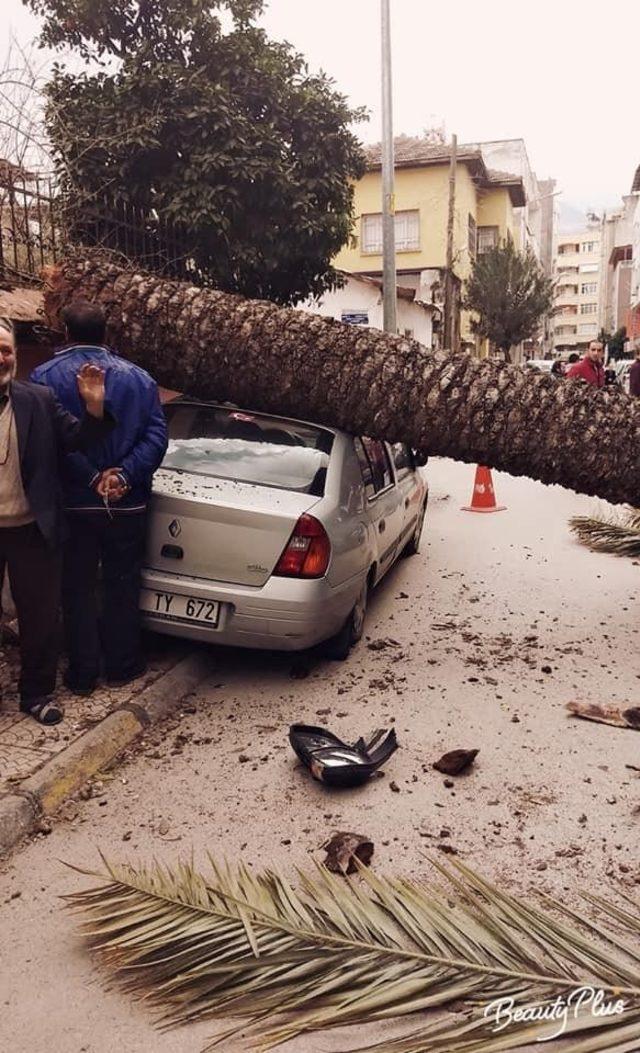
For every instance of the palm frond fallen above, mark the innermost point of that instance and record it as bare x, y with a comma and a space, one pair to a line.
334, 952
617, 532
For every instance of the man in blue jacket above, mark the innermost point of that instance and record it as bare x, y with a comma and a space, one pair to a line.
105, 497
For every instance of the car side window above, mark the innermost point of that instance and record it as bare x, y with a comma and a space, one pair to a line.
402, 459
379, 462
365, 468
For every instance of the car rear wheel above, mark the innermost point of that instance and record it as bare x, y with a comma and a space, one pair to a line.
412, 546
339, 646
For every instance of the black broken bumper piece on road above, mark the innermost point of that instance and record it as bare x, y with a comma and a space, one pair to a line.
336, 763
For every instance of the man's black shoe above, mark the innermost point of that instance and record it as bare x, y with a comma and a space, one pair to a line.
76, 687
122, 681
44, 710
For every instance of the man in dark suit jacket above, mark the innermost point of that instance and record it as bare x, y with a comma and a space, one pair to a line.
34, 434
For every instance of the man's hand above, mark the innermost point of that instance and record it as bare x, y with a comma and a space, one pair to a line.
91, 388
110, 485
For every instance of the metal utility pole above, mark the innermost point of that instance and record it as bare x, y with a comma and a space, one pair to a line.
389, 296
449, 321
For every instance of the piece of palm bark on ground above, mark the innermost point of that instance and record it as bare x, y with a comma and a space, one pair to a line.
219, 346
615, 715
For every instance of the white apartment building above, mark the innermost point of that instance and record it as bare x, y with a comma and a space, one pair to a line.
578, 299
617, 265
633, 325
536, 221
359, 302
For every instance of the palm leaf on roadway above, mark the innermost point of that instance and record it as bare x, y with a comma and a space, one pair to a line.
332, 952
617, 531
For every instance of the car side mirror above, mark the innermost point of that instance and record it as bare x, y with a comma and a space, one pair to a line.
420, 458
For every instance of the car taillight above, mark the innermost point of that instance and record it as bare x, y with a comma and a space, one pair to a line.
308, 551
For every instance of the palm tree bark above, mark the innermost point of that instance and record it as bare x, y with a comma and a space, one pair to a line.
218, 346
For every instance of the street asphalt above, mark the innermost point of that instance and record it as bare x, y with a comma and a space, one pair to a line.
479, 643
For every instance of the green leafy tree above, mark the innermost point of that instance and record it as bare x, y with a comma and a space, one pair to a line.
189, 114
615, 341
509, 294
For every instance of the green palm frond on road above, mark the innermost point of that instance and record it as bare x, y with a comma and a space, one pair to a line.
616, 532
336, 952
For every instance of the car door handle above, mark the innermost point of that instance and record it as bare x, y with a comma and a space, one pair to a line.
407, 502
382, 526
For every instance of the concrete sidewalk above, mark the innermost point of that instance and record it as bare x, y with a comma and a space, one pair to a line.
40, 767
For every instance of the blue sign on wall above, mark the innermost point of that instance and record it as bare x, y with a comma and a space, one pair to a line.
356, 317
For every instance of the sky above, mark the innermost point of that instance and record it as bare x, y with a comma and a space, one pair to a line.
561, 74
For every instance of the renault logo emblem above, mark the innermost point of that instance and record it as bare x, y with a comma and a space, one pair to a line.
175, 528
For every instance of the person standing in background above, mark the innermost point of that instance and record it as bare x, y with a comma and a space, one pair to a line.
634, 374
591, 367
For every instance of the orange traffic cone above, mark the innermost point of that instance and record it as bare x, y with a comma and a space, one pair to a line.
484, 497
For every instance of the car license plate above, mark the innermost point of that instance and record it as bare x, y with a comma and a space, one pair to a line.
175, 607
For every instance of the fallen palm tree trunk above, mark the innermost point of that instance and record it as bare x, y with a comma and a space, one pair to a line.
218, 346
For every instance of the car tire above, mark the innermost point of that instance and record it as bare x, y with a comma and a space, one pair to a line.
338, 647
412, 546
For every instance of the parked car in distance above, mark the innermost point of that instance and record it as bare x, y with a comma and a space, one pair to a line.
270, 533
543, 365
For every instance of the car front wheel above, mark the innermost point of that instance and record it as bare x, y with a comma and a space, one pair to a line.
339, 646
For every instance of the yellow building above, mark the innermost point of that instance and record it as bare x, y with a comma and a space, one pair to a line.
484, 214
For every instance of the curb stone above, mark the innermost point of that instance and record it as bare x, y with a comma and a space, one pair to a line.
18, 817
42, 793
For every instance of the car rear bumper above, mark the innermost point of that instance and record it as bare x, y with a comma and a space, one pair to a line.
286, 614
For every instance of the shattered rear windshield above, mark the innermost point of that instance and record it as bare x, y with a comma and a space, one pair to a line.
247, 447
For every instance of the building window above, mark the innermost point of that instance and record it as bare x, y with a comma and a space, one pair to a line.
407, 225
372, 233
589, 287
408, 231
587, 330
567, 249
588, 246
588, 308
487, 239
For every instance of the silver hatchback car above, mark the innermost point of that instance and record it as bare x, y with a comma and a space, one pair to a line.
270, 533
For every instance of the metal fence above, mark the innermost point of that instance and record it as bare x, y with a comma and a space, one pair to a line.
154, 242
36, 228
30, 229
